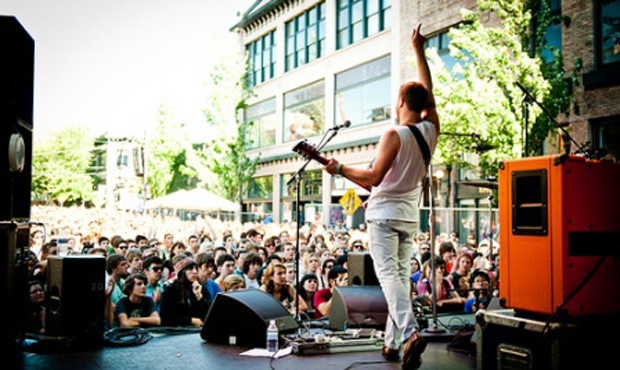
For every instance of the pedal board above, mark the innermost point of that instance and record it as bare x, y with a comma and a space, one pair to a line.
340, 346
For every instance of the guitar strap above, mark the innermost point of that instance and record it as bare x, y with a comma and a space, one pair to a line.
426, 155
426, 152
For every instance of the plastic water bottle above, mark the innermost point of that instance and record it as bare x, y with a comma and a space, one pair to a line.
272, 337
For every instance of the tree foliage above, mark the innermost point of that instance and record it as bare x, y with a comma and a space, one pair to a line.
172, 160
480, 95
60, 165
226, 155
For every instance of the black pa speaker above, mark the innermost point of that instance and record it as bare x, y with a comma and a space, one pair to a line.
361, 269
241, 317
76, 298
358, 307
16, 94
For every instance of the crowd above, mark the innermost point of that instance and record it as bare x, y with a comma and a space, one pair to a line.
163, 271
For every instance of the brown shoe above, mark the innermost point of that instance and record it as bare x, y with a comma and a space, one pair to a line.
414, 346
390, 355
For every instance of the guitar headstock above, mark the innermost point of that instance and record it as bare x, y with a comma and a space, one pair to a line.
306, 150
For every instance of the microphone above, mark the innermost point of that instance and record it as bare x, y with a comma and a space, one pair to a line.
345, 124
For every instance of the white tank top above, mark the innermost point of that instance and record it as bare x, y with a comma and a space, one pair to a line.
396, 198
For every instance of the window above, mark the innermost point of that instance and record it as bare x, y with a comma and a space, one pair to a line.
312, 185
305, 37
363, 93
262, 59
358, 19
553, 34
607, 32
260, 188
441, 42
263, 132
304, 111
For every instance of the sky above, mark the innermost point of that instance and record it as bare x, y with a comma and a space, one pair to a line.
110, 64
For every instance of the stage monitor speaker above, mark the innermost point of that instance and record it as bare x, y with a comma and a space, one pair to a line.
76, 298
16, 94
358, 307
361, 269
241, 318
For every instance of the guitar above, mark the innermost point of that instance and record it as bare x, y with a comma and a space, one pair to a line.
309, 152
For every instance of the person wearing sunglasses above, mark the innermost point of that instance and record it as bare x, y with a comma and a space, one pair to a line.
153, 268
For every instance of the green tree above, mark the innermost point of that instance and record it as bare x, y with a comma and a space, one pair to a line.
480, 96
172, 161
227, 158
60, 166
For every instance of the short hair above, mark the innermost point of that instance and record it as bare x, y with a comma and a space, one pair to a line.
337, 270
446, 247
232, 280
133, 254
140, 238
204, 258
131, 281
251, 259
252, 233
113, 261
152, 260
103, 239
193, 236
116, 240
415, 95
221, 260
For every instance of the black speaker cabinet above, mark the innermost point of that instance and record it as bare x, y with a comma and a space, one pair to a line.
16, 94
241, 318
358, 307
361, 269
14, 239
76, 298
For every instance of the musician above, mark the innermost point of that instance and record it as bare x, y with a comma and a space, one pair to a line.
392, 212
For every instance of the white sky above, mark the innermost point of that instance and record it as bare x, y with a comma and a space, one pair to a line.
109, 64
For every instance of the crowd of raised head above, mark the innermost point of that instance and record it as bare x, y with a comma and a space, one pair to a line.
164, 271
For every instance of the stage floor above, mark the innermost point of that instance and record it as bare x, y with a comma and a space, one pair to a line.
187, 351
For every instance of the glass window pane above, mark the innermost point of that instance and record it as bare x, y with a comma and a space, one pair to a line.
349, 106
312, 16
301, 40
312, 35
322, 30
376, 100
343, 38
358, 31
610, 32
373, 24
312, 55
301, 22
304, 114
343, 3
372, 6
387, 3
343, 19
357, 11
387, 18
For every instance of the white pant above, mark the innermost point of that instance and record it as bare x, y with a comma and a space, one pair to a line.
390, 248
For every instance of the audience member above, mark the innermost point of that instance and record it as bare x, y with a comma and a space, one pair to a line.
185, 301
136, 308
274, 283
337, 277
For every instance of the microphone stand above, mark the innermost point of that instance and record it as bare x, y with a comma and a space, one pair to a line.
297, 178
566, 135
434, 330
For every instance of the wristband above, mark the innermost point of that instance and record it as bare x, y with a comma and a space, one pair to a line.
339, 169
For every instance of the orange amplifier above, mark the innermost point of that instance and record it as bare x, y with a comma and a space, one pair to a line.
559, 215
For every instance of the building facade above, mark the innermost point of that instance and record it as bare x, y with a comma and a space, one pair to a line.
118, 173
314, 64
